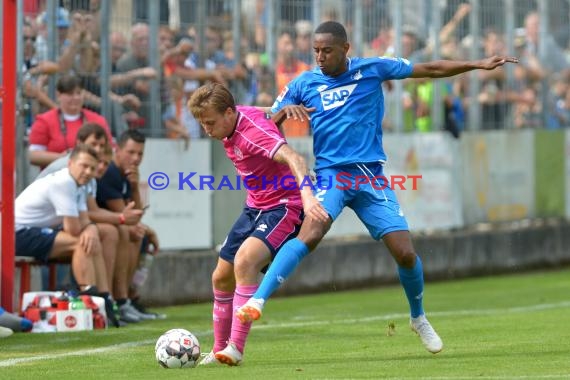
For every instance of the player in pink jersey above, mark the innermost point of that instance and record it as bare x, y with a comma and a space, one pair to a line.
272, 214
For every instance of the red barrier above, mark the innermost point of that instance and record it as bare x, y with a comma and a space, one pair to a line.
8, 96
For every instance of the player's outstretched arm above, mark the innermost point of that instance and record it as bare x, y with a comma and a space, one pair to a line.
444, 68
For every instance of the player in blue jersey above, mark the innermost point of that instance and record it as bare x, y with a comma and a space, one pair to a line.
345, 95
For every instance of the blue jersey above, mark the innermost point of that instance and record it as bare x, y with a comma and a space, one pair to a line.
347, 122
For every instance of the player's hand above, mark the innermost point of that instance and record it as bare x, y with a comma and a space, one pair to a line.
292, 111
130, 101
132, 175
152, 240
298, 112
496, 61
312, 207
89, 239
137, 231
132, 215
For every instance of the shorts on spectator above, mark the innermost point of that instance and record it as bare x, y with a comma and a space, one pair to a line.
35, 242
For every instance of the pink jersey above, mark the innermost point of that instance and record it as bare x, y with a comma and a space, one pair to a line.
251, 148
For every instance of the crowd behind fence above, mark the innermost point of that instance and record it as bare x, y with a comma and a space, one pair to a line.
139, 60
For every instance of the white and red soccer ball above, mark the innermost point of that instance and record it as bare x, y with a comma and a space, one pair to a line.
177, 348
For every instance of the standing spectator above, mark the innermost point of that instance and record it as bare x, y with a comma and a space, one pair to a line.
179, 123
556, 61
54, 132
303, 43
288, 67
137, 58
34, 73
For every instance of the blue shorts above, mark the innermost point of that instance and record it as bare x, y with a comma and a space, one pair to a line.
364, 189
274, 227
36, 242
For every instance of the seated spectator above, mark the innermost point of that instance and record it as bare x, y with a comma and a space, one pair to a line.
116, 257
51, 222
90, 134
118, 187
53, 133
112, 226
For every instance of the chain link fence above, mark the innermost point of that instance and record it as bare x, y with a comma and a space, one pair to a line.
139, 60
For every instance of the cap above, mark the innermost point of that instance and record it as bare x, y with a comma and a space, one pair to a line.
62, 18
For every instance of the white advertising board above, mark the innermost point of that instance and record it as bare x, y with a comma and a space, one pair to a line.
182, 218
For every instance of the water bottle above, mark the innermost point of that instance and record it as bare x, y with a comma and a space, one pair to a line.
75, 302
141, 274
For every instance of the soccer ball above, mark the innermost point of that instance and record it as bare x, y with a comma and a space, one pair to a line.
177, 348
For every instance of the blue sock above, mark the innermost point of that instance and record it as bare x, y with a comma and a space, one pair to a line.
288, 258
413, 282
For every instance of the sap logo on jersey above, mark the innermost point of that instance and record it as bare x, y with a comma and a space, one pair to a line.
337, 96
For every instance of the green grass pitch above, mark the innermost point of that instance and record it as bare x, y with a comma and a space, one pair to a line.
501, 327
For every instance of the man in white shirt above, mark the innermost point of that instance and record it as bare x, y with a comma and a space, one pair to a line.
52, 222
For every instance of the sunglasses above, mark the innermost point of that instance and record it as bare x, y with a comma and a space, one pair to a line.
30, 38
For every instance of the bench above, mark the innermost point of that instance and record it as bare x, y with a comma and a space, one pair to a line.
25, 263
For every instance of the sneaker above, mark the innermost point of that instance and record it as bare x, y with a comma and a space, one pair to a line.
250, 311
142, 316
110, 310
144, 310
429, 337
229, 355
5, 331
127, 313
209, 359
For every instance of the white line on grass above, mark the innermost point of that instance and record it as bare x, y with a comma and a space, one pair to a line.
475, 312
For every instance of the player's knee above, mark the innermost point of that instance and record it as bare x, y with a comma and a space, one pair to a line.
108, 232
248, 266
222, 279
312, 235
405, 258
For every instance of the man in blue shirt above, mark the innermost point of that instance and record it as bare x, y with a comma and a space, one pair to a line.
344, 96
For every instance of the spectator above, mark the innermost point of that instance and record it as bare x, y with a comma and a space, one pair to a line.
113, 226
493, 93
62, 23
179, 123
78, 50
556, 61
559, 104
303, 42
53, 133
34, 74
137, 58
118, 187
288, 67
52, 223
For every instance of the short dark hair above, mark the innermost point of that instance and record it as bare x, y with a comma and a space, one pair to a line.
335, 28
82, 148
130, 134
89, 129
67, 83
